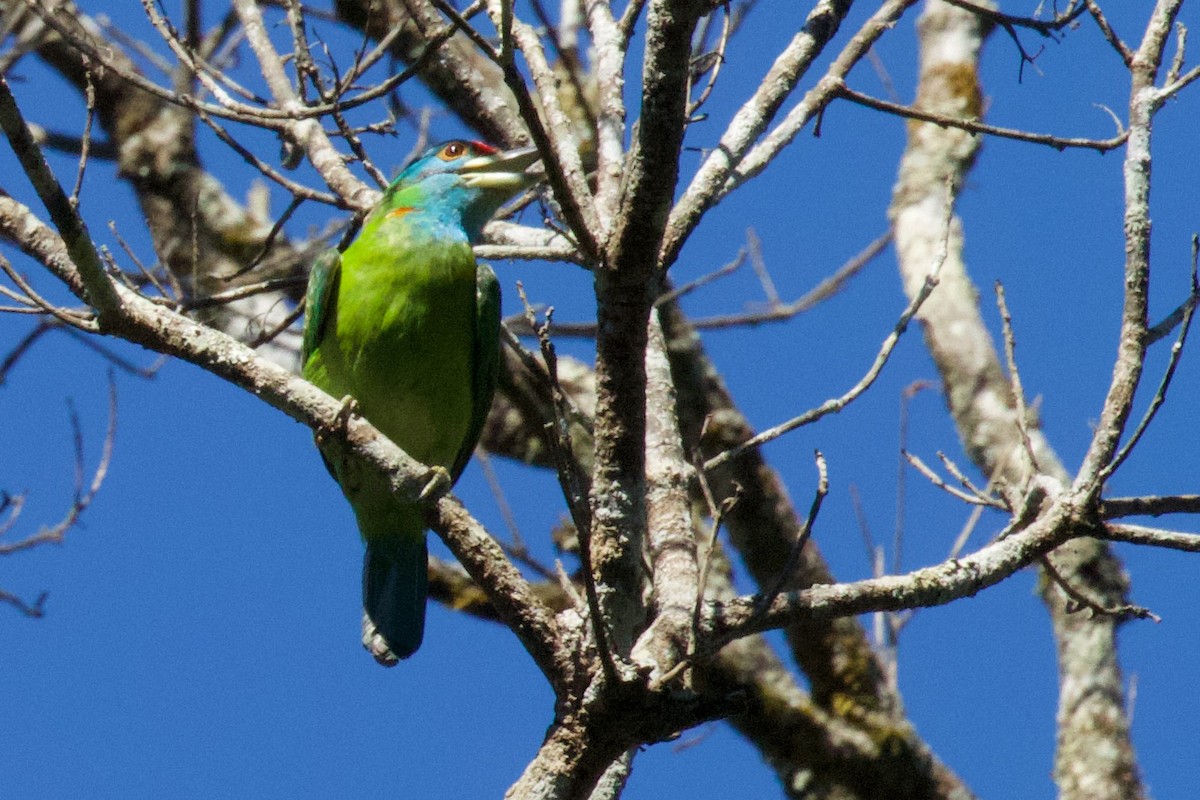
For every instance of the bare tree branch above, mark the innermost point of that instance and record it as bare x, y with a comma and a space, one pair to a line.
1093, 734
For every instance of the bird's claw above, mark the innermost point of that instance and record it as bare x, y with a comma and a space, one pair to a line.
347, 409
437, 481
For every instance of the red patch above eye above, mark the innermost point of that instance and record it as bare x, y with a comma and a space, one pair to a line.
455, 150
396, 213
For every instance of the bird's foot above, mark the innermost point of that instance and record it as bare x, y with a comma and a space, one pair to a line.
348, 408
437, 481
341, 420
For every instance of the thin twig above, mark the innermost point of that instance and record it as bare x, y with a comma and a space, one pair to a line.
209, 77
736, 157
348, 134
716, 58
228, 108
1110, 35
12, 505
84, 493
554, 137
574, 487
1079, 600
1153, 505
85, 140
960, 541
75, 319
836, 404
629, 18
967, 497
1180, 50
1180, 84
754, 246
717, 513
764, 600
90, 341
36, 609
276, 228
242, 292
515, 547
1043, 27
959, 476
687, 288
176, 292
780, 312
818, 294
1155, 537
297, 190
14, 355
270, 334
1160, 395
906, 397
1014, 378
975, 126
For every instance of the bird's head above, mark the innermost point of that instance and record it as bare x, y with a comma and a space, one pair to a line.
467, 178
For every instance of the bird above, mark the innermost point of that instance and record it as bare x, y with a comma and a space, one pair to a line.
403, 324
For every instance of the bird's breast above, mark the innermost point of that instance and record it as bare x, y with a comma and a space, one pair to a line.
405, 324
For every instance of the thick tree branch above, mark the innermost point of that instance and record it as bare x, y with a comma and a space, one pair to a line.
625, 288
921, 588
1093, 732
670, 535
305, 133
751, 120
201, 235
1144, 100
98, 289
727, 172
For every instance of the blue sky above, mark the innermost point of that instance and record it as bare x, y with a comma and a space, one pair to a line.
201, 636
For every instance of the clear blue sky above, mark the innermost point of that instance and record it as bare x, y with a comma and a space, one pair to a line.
201, 637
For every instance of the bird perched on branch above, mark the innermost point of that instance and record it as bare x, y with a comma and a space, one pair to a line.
407, 324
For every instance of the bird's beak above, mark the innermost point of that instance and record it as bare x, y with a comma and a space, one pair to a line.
502, 171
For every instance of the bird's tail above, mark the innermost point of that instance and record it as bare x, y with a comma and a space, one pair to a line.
395, 583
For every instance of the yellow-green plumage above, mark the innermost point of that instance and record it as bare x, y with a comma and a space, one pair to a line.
406, 323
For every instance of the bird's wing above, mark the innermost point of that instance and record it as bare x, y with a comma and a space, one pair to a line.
320, 299
485, 360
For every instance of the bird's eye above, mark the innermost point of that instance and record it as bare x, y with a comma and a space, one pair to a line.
452, 151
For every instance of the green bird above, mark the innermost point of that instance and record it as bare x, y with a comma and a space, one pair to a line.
405, 322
